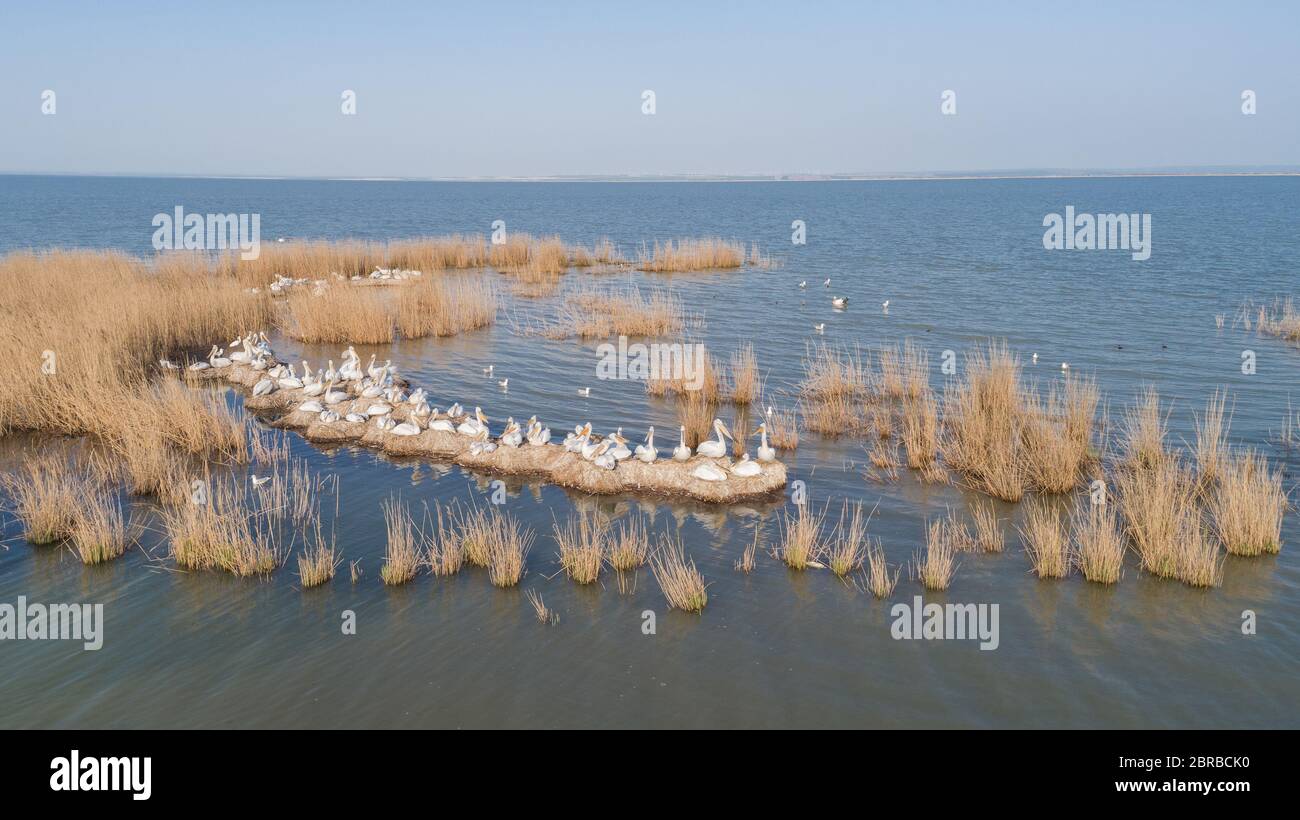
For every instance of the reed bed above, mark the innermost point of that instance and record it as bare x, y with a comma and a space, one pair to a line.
445, 554
783, 429
1144, 429
340, 314
849, 544
582, 545
831, 415
1282, 320
100, 529
1097, 542
680, 582
834, 372
1211, 434
227, 527
937, 564
1247, 505
433, 306
988, 536
44, 497
1159, 507
921, 430
691, 255
880, 581
983, 416
1045, 540
402, 553
629, 545
801, 537
319, 558
903, 373
744, 375
509, 543
696, 413
598, 313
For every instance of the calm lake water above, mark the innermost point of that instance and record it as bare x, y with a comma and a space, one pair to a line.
959, 261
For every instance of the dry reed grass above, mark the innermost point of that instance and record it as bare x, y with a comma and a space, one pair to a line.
582, 544
340, 314
433, 306
509, 543
543, 614
691, 255
1158, 503
921, 430
1247, 505
1045, 540
319, 558
849, 545
598, 313
402, 553
446, 542
745, 563
988, 528
1144, 431
801, 537
44, 496
227, 527
100, 530
1211, 435
1097, 543
880, 581
629, 545
983, 418
744, 375
680, 582
937, 564
783, 429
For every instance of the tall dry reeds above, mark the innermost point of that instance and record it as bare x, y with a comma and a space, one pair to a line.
937, 564
402, 550
1247, 505
691, 255
1097, 542
434, 306
680, 582
44, 496
801, 537
339, 314
983, 415
1045, 539
582, 545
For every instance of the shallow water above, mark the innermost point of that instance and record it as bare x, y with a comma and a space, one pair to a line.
958, 260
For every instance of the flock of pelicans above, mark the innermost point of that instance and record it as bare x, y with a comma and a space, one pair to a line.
359, 394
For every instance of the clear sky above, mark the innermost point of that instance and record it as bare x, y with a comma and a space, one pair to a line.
535, 89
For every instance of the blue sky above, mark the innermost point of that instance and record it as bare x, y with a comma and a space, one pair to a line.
530, 89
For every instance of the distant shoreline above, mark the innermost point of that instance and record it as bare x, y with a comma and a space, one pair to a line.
940, 177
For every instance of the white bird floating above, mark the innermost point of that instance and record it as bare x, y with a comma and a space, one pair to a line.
258, 482
827, 283
487, 371
820, 327
584, 391
1035, 358
715, 448
1065, 365
884, 306
505, 384
839, 301
803, 284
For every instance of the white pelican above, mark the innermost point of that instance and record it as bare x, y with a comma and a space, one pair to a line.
357, 418
422, 410
511, 436
455, 411
536, 434
604, 457
481, 445
619, 451
289, 381
385, 423
715, 448
240, 355
167, 364
839, 301
708, 472
259, 364
745, 468
311, 406
258, 481
307, 378
334, 396
371, 391
647, 452
591, 448
216, 359
406, 428
574, 441
314, 389
379, 409
765, 453
472, 426
681, 452
329, 375
263, 387
443, 425
417, 397
200, 366
329, 416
